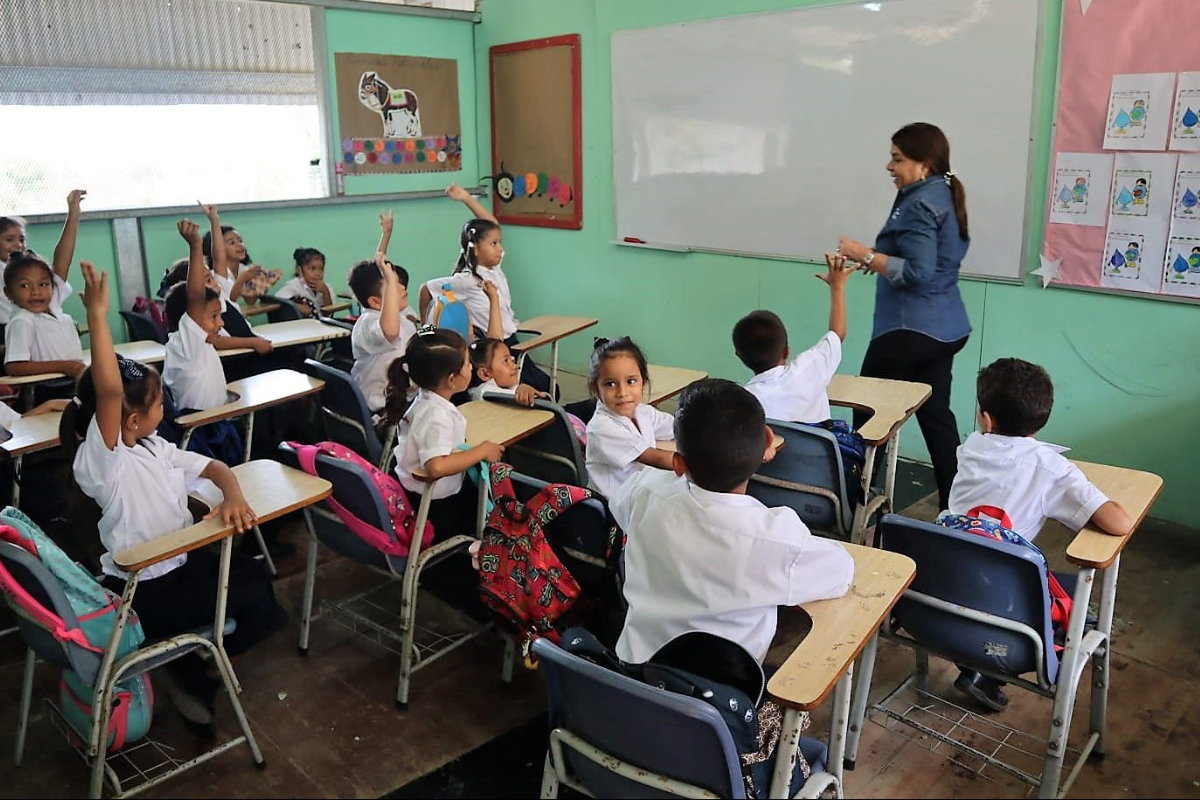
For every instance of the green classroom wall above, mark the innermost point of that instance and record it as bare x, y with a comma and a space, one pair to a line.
1123, 397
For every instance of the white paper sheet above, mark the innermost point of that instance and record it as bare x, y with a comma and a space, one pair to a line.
1081, 182
1185, 122
1138, 221
1181, 266
1139, 111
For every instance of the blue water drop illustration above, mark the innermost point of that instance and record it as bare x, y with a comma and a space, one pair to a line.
1117, 261
1189, 201
1066, 196
1190, 119
1122, 121
1180, 264
1125, 198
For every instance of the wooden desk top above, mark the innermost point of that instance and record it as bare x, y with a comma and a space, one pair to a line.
257, 391
267, 308
891, 403
841, 628
271, 489
291, 333
147, 352
550, 328
502, 423
669, 446
1136, 491
31, 434
666, 382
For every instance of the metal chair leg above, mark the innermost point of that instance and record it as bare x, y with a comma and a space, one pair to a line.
310, 584
23, 714
549, 779
262, 546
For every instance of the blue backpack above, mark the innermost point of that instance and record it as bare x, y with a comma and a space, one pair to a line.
854, 455
447, 311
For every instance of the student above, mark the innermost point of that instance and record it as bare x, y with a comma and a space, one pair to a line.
308, 289
431, 432
12, 240
140, 482
1004, 471
701, 554
381, 333
192, 368
796, 391
236, 273
40, 337
480, 254
496, 372
623, 432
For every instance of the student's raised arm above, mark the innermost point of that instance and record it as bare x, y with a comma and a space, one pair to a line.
495, 321
64, 251
220, 262
106, 375
386, 222
456, 192
389, 312
197, 273
836, 278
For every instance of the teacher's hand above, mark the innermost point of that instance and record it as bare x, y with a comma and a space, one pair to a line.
851, 249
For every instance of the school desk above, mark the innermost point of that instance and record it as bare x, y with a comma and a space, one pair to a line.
30, 435
291, 333
146, 352
666, 382
891, 404
840, 629
271, 490
550, 329
669, 444
255, 309
1090, 550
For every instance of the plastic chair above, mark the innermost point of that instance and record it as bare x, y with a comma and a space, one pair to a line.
553, 453
347, 417
140, 327
99, 670
806, 475
354, 490
613, 736
286, 312
985, 604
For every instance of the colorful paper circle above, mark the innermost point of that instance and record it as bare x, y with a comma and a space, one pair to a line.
347, 143
360, 158
372, 157
441, 157
410, 145
420, 156
410, 158
531, 183
358, 145
565, 195
368, 145
441, 143
420, 144
519, 186
397, 158
390, 146
542, 178
553, 186
379, 145
349, 158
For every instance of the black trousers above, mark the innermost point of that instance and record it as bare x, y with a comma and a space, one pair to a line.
911, 356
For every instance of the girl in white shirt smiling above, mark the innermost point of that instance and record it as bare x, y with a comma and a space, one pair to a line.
431, 432
624, 431
12, 240
140, 482
40, 337
479, 258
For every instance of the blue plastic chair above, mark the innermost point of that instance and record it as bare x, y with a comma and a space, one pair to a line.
553, 453
95, 670
354, 490
984, 604
613, 736
347, 417
806, 475
287, 311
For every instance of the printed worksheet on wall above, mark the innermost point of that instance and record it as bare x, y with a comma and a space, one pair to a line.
1080, 192
1185, 122
1139, 111
1138, 221
1181, 266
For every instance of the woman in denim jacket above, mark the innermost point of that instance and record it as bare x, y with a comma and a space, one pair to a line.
920, 319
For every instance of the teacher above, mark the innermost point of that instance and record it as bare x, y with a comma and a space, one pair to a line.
920, 320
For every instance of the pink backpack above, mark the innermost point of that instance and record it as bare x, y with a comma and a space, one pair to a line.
403, 515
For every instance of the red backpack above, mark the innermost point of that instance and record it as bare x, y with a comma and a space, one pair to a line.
403, 515
522, 581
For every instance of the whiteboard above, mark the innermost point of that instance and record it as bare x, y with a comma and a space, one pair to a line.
768, 134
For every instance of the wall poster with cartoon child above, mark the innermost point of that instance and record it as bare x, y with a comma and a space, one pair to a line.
397, 114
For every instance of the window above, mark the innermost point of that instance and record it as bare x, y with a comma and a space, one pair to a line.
156, 102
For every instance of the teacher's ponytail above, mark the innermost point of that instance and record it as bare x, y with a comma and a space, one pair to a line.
926, 143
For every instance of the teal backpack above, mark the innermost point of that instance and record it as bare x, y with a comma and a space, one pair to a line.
447, 311
95, 608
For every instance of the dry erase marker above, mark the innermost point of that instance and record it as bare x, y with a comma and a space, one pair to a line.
634, 240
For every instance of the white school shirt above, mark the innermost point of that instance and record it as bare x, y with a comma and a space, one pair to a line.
142, 492
431, 427
224, 285
298, 288
8, 417
193, 369
469, 291
1030, 480
614, 444
45, 336
373, 354
797, 391
62, 290
491, 387
720, 563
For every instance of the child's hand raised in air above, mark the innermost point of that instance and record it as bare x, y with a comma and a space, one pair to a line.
526, 394
838, 270
389, 274
189, 230
386, 221
456, 192
73, 199
95, 292
210, 210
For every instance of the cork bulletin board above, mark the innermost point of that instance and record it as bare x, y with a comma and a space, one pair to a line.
397, 114
537, 150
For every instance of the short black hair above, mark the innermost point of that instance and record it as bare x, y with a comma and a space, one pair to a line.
177, 303
759, 339
366, 282
603, 349
21, 260
1017, 394
720, 432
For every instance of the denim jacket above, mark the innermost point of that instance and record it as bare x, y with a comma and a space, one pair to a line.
919, 291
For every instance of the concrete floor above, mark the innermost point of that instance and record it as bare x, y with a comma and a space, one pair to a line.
328, 726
